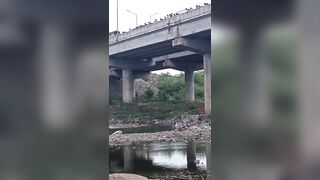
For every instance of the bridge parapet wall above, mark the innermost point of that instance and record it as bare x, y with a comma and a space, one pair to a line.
190, 15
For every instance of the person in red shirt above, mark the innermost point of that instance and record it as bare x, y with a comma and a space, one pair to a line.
168, 25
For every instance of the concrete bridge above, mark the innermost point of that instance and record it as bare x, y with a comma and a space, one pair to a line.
181, 42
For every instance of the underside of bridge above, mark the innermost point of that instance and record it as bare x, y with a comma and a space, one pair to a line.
182, 59
184, 46
186, 61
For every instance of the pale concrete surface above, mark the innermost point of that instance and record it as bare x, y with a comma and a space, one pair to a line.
189, 85
127, 86
207, 82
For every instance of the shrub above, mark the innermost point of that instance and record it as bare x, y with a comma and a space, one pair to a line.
172, 88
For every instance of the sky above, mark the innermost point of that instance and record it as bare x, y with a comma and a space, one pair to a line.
143, 9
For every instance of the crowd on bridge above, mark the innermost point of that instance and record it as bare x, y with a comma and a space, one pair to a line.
168, 16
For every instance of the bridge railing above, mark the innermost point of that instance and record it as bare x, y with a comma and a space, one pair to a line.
181, 18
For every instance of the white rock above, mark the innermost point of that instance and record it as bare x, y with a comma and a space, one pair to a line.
119, 132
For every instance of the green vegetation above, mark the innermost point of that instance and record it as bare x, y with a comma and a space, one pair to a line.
164, 101
154, 110
171, 88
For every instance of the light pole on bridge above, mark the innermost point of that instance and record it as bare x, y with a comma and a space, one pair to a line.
152, 15
117, 16
135, 15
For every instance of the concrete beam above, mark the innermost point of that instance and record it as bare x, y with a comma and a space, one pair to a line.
138, 74
183, 65
207, 82
194, 45
173, 56
130, 64
189, 85
180, 61
115, 73
127, 86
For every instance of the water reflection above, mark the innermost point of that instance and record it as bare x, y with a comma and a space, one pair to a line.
191, 157
149, 159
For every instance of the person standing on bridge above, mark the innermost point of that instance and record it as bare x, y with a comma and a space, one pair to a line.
168, 25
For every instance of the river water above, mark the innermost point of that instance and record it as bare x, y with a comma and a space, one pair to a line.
155, 158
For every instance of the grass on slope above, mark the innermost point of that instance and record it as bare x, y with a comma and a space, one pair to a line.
154, 110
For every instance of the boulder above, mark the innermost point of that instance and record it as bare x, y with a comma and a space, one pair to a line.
119, 132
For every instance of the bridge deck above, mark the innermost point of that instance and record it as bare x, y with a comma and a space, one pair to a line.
156, 39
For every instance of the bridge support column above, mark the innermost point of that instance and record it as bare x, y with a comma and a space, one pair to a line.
127, 86
207, 82
189, 85
134, 89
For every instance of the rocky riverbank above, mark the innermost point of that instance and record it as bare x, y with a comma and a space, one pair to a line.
186, 128
181, 175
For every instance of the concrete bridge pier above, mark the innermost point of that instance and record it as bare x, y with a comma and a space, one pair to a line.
127, 86
207, 82
189, 85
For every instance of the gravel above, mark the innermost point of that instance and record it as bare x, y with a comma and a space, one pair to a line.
196, 133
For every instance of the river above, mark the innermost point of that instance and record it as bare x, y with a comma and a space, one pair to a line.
160, 159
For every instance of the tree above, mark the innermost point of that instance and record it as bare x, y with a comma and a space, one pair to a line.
171, 88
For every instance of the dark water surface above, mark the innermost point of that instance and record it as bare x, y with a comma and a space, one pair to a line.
152, 159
